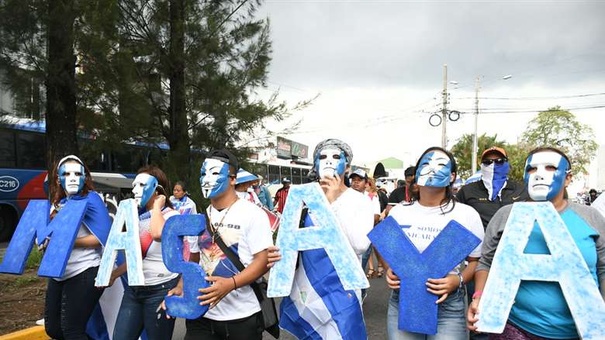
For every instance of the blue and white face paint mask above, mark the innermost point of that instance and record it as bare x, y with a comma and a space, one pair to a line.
214, 177
72, 177
143, 187
434, 170
330, 162
545, 174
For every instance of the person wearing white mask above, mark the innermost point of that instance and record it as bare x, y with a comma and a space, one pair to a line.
491, 193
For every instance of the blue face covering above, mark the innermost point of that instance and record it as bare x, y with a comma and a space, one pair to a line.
143, 187
434, 170
494, 177
214, 177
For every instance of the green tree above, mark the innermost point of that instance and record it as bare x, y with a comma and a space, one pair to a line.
37, 39
559, 128
181, 71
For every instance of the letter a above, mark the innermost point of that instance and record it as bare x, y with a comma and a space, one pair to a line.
128, 241
328, 235
565, 265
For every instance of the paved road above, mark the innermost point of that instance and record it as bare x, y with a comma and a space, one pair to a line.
374, 309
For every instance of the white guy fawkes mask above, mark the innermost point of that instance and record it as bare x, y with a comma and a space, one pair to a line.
330, 162
214, 177
72, 177
143, 187
434, 170
545, 173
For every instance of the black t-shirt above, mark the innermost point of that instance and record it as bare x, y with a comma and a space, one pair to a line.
398, 195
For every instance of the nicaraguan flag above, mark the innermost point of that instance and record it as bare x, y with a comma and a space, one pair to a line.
318, 306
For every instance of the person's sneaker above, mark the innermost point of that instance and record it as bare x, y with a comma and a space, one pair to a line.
40, 322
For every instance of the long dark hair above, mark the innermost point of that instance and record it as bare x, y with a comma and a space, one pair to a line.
56, 192
449, 194
162, 181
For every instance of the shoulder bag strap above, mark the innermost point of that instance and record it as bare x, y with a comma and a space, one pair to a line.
232, 257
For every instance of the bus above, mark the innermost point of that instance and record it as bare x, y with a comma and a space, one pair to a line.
23, 172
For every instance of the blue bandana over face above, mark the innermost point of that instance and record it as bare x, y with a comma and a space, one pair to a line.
494, 177
214, 177
143, 187
434, 170
330, 162
545, 174
72, 177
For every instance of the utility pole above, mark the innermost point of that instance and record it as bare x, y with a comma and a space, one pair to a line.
444, 112
475, 141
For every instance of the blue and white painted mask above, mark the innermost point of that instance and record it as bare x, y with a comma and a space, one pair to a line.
434, 170
545, 174
214, 177
330, 162
72, 176
143, 187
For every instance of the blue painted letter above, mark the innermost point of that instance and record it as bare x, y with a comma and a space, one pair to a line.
187, 306
417, 307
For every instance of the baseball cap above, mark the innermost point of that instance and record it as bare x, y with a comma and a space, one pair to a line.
244, 176
285, 180
224, 156
492, 150
359, 172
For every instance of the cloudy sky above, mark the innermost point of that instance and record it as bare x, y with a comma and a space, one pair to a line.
378, 68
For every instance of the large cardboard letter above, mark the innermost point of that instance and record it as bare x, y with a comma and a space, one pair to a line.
35, 217
187, 306
565, 265
327, 235
417, 307
61, 231
128, 241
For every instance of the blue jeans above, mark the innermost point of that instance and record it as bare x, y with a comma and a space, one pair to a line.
451, 320
69, 304
139, 310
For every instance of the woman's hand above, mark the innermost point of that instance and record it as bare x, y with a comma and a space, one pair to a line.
221, 286
443, 287
472, 313
159, 202
273, 256
176, 291
392, 280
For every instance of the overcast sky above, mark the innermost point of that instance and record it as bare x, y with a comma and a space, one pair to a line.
378, 68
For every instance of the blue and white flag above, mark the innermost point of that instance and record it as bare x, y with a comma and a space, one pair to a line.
318, 306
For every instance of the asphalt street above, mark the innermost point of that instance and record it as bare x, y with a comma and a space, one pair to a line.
374, 309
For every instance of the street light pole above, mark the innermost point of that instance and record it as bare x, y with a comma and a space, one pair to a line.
444, 111
475, 141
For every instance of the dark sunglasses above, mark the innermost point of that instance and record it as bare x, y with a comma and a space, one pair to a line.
497, 161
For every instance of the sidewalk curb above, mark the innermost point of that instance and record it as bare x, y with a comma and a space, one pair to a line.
32, 333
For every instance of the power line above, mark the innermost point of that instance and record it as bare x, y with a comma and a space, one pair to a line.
539, 98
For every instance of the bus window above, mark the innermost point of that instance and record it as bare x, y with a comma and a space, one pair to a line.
286, 171
296, 176
305, 175
8, 157
274, 176
30, 149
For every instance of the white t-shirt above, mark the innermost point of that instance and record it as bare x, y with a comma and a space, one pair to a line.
427, 222
244, 227
153, 264
81, 258
355, 213
375, 202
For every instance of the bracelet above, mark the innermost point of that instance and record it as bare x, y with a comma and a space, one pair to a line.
477, 294
461, 285
234, 283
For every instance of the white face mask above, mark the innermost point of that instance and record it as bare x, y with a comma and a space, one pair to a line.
331, 162
214, 178
545, 174
72, 177
143, 187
